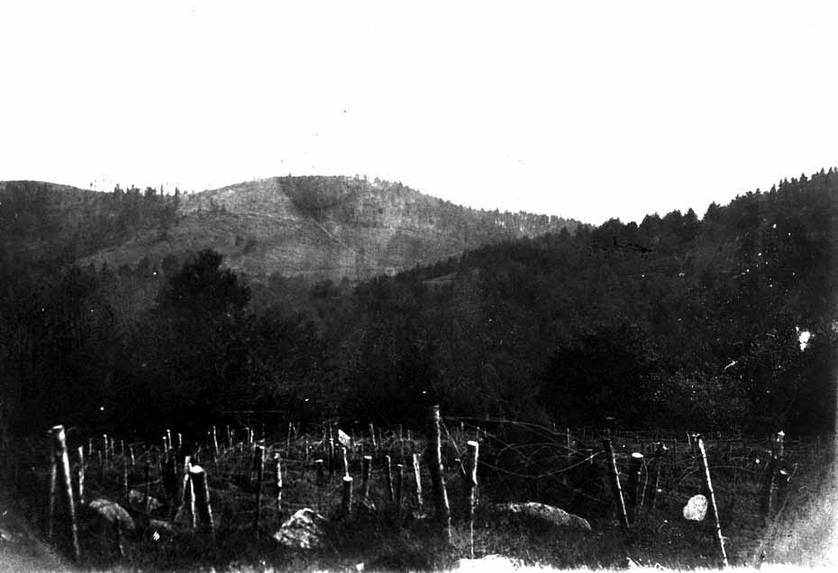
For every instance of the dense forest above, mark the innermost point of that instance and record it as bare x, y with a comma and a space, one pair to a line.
724, 321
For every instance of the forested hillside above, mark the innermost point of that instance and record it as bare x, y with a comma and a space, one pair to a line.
311, 228
728, 320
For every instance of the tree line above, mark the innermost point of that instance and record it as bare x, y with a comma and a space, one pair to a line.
716, 322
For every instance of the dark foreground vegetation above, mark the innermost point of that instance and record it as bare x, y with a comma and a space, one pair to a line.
392, 529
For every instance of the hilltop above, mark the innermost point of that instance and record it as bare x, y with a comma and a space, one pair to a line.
317, 228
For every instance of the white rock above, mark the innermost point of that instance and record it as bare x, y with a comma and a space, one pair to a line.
696, 508
548, 513
303, 530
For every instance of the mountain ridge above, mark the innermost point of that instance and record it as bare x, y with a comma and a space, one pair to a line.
315, 227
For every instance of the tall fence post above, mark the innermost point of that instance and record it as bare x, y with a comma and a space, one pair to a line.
471, 487
80, 475
653, 493
256, 476
388, 473
615, 483
708, 486
372, 437
417, 476
399, 484
202, 515
278, 460
634, 484
440, 494
347, 494
772, 477
365, 476
62, 482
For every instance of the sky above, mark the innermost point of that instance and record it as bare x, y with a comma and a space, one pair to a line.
586, 110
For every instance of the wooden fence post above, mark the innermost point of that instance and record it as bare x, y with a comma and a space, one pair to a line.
417, 476
440, 494
347, 494
708, 486
256, 477
634, 484
365, 475
769, 490
471, 487
321, 475
330, 444
653, 497
278, 474
203, 508
345, 460
147, 479
80, 475
399, 485
186, 494
215, 450
615, 483
388, 472
372, 437
62, 481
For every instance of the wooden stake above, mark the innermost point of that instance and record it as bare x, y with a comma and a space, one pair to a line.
61, 480
372, 437
471, 487
80, 474
125, 489
708, 486
366, 468
440, 494
202, 514
615, 483
186, 493
345, 460
634, 484
321, 475
388, 473
147, 479
347, 495
331, 454
653, 497
417, 476
278, 474
258, 461
399, 485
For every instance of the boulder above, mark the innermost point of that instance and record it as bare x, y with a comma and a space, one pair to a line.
696, 508
109, 514
303, 530
543, 513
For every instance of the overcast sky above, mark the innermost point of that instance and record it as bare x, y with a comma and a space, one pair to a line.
588, 110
